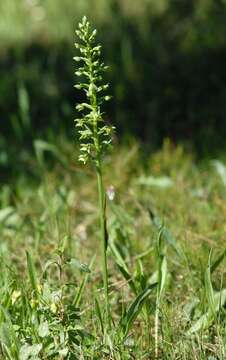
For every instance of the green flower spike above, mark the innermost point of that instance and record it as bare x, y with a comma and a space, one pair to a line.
95, 135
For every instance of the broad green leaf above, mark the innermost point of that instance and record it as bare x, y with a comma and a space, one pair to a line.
43, 329
28, 352
135, 309
206, 319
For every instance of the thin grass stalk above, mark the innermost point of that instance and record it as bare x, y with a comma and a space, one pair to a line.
103, 235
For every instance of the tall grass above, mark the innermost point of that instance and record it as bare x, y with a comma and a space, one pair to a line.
52, 298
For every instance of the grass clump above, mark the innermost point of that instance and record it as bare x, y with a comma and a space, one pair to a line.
55, 219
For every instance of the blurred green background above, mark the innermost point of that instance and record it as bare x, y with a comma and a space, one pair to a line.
168, 69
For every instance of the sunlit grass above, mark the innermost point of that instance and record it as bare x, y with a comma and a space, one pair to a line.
56, 220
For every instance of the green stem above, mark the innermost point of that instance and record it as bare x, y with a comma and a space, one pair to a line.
103, 235
156, 327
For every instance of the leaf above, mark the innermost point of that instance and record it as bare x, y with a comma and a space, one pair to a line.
63, 352
217, 262
43, 329
162, 274
162, 182
209, 287
77, 264
6, 213
206, 319
122, 266
140, 277
99, 315
135, 309
117, 256
32, 273
48, 264
128, 278
122, 216
9, 333
201, 323
220, 169
29, 351
24, 105
9, 217
165, 233
190, 307
5, 334
42, 146
78, 296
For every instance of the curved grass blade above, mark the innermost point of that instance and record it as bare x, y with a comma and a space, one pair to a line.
209, 287
206, 319
78, 296
135, 309
217, 262
165, 233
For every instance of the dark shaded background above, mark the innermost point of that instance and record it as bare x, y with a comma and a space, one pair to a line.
168, 69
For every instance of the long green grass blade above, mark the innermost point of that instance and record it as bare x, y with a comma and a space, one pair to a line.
10, 335
208, 286
32, 273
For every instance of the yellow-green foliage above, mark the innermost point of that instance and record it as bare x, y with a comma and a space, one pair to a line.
56, 218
